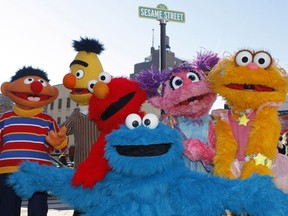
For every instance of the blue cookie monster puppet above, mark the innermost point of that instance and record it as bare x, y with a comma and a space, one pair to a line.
149, 177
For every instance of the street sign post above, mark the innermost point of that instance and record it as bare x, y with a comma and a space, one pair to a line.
161, 12
163, 15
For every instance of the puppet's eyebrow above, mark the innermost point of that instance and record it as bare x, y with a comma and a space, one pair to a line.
85, 64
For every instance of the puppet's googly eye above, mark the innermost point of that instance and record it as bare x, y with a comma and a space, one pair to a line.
90, 85
79, 74
262, 59
150, 120
28, 80
243, 58
133, 121
43, 82
193, 76
104, 77
175, 82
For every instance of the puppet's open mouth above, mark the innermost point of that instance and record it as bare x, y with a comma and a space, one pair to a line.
32, 97
116, 106
259, 88
191, 99
143, 150
79, 91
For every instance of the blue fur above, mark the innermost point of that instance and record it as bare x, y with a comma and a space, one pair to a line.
156, 185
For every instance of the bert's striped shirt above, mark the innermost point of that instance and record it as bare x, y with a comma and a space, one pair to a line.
85, 133
23, 138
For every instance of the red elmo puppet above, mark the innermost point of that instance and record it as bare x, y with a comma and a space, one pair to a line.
113, 99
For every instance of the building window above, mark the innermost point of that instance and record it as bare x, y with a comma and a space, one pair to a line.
68, 103
52, 105
58, 120
60, 103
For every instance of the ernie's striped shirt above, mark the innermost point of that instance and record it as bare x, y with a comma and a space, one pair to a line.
23, 138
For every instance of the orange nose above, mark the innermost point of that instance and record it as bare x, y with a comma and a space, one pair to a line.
100, 90
36, 87
69, 81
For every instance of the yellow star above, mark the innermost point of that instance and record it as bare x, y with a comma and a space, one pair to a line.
262, 160
243, 120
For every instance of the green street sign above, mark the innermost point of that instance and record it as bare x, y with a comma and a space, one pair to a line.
161, 12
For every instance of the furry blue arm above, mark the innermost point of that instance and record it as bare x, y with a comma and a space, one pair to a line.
33, 177
211, 195
199, 194
257, 195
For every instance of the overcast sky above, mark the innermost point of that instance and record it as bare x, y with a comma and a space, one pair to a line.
40, 32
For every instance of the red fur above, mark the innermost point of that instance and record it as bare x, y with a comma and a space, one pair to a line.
95, 167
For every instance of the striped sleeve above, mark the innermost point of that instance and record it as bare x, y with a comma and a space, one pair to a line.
69, 122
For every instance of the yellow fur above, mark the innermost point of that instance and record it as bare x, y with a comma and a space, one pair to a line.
265, 127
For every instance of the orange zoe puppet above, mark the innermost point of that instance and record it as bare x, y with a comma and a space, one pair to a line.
247, 133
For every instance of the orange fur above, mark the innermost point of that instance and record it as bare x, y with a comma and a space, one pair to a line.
265, 127
225, 151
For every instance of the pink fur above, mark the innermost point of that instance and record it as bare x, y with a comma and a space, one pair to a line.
197, 150
186, 93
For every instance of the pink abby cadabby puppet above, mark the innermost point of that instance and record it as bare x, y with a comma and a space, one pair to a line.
185, 100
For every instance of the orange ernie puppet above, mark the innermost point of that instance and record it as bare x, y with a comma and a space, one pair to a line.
27, 133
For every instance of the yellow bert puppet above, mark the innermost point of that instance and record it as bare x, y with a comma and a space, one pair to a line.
85, 70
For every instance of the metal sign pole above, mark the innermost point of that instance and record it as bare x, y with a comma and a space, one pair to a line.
163, 43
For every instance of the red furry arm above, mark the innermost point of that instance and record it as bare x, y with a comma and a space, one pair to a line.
94, 168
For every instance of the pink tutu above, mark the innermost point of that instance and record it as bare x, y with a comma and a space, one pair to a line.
280, 170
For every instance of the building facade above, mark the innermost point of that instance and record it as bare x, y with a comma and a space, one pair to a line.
61, 108
153, 60
5, 104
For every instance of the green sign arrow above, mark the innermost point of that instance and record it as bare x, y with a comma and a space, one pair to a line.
161, 13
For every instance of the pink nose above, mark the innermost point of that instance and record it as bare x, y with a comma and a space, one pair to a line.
252, 66
36, 87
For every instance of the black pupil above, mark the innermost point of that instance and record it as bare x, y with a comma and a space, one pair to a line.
102, 78
245, 59
135, 123
91, 85
191, 77
261, 61
147, 122
178, 82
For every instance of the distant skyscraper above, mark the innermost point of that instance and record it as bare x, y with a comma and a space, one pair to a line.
154, 60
